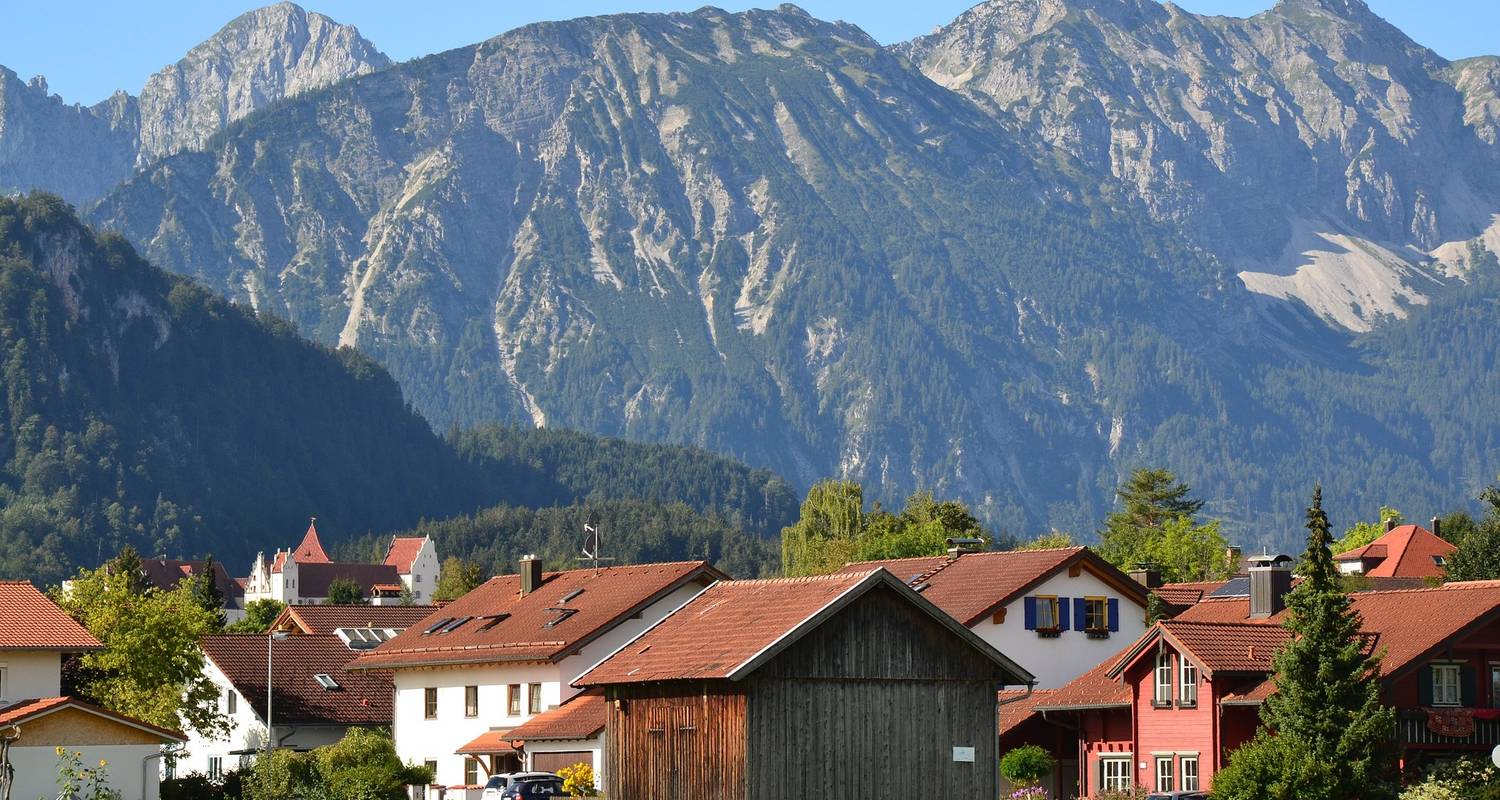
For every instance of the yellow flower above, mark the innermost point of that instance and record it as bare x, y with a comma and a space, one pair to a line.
103, 763
60, 751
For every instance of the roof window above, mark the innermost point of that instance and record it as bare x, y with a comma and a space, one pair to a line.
436, 625
327, 682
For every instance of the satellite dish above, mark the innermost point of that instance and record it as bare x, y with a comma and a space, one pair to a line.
1495, 756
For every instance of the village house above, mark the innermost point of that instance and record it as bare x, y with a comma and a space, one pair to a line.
165, 574
36, 718
1057, 612
314, 698
302, 575
1405, 551
1166, 712
508, 653
840, 686
360, 627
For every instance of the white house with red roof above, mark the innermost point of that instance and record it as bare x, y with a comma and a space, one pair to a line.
506, 655
36, 718
1057, 612
301, 575
1405, 551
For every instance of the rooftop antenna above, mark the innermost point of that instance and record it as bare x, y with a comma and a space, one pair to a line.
592, 543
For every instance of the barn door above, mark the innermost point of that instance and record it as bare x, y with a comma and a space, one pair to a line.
671, 744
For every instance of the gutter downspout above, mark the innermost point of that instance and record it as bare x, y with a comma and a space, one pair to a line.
146, 774
1080, 748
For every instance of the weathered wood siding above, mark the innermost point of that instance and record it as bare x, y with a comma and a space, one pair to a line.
871, 705
676, 742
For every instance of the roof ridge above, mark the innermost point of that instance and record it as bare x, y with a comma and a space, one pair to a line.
1450, 585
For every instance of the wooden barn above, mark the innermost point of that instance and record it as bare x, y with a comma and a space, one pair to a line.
849, 686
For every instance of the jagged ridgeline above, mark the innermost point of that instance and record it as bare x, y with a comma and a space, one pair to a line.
142, 409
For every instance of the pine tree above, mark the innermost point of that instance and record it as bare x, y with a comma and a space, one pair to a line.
207, 594
1325, 734
128, 563
1478, 555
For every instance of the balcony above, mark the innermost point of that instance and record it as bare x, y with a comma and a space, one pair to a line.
1415, 727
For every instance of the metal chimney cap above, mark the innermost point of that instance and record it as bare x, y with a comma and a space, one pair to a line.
1268, 561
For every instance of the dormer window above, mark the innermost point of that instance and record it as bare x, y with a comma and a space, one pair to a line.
1163, 695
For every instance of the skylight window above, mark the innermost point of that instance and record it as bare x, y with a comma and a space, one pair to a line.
326, 681
454, 625
573, 595
562, 614
492, 620
435, 626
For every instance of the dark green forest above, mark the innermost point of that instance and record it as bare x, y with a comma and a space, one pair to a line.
141, 409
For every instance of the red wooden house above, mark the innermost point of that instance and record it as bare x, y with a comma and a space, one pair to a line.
1166, 713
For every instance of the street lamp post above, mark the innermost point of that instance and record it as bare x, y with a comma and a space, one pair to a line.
270, 726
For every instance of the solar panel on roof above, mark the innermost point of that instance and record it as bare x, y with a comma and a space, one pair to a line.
1235, 587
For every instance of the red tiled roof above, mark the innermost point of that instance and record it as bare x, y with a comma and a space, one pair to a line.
1410, 623
30, 621
1092, 689
582, 717
19, 712
1227, 647
1186, 594
971, 586
311, 551
165, 574
1408, 551
1252, 695
363, 698
313, 579
725, 632
504, 625
488, 743
403, 550
1016, 707
327, 619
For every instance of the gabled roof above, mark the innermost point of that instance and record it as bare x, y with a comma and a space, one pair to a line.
732, 628
496, 623
402, 551
25, 711
973, 586
31, 621
327, 619
166, 573
362, 698
1407, 551
582, 717
311, 551
1091, 690
1216, 647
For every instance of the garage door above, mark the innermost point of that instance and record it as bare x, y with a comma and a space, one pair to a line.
552, 762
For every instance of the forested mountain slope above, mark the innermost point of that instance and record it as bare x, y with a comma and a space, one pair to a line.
142, 409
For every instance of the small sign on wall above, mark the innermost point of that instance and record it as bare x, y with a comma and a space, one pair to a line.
963, 754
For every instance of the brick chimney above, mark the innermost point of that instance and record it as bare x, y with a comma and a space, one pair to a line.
1437, 527
531, 574
1390, 524
1270, 580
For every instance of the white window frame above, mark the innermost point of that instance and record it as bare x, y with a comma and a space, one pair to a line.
1165, 773
1119, 781
1187, 690
1162, 689
1188, 776
215, 768
1441, 688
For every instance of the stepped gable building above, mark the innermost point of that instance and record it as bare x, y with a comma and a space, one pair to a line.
1405, 551
36, 718
850, 685
1056, 612
504, 657
1166, 712
301, 576
315, 699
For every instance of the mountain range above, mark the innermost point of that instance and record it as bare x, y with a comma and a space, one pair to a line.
1008, 261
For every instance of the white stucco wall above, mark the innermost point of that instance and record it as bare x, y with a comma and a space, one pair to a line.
30, 675
423, 577
419, 740
129, 774
1057, 661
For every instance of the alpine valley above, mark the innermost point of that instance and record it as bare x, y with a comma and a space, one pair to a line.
1007, 261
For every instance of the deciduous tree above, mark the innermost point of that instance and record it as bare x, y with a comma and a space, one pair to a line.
259, 614
344, 592
457, 578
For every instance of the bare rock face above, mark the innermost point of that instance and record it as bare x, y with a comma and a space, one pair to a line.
256, 60
1313, 147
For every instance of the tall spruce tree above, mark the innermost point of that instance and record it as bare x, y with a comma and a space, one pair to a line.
1325, 734
207, 594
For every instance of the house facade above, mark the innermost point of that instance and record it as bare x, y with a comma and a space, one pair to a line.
1056, 612
1167, 712
166, 574
302, 575
840, 686
35, 636
314, 699
507, 654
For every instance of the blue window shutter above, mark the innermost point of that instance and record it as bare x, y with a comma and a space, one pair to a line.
1424, 686
1031, 613
1080, 614
1468, 685
1062, 613
1114, 614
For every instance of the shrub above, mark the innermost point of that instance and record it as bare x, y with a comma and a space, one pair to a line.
578, 780
1027, 765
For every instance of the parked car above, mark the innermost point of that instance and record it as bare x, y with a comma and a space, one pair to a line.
1195, 795
494, 788
534, 789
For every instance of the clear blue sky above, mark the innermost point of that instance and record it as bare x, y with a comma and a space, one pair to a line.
87, 49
